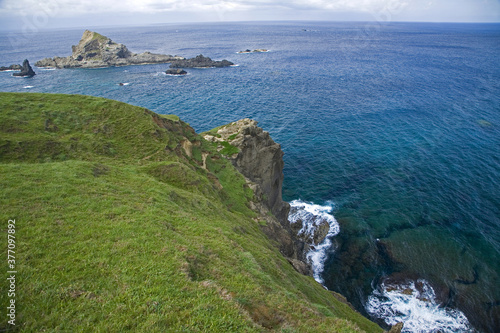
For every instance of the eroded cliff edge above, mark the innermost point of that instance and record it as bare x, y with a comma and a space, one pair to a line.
260, 159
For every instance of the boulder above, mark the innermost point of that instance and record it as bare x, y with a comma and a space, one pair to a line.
26, 70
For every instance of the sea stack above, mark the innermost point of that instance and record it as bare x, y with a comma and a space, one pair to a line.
26, 70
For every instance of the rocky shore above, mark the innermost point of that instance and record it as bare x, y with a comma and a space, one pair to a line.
95, 50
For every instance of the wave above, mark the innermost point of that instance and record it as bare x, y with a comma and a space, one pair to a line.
311, 216
28, 87
415, 304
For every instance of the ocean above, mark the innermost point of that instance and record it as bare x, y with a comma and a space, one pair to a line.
390, 129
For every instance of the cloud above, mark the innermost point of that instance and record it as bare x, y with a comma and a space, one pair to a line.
193, 10
74, 7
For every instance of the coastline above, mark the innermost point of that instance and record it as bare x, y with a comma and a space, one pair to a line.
356, 206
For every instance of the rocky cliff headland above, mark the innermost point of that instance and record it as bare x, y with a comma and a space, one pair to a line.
95, 50
255, 154
139, 208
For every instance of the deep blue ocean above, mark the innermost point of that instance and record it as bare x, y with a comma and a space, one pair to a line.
394, 126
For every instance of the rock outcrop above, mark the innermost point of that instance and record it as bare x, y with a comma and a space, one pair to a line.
173, 71
26, 70
200, 61
95, 50
312, 233
257, 157
14, 67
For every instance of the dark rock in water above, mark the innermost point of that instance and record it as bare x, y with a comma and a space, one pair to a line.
200, 61
26, 70
256, 50
95, 50
173, 71
14, 67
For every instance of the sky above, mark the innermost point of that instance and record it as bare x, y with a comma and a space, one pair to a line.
23, 15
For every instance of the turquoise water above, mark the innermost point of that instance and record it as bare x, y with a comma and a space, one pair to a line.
396, 126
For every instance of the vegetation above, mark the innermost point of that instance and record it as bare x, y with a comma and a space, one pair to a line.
119, 229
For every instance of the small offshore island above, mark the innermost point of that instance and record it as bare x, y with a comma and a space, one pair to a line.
95, 50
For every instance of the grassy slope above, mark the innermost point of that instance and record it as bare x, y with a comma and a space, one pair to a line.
118, 229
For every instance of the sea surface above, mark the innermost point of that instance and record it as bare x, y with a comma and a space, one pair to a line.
390, 129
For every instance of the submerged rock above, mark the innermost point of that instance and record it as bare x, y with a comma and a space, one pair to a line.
251, 51
95, 50
201, 62
26, 70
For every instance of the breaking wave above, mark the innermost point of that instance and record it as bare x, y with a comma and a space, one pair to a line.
311, 216
415, 304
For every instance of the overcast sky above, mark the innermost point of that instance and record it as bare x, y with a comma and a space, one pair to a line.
40, 14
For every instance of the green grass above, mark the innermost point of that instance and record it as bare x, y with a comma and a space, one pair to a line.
228, 149
117, 229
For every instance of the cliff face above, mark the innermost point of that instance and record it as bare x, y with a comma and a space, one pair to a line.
259, 158
95, 50
255, 154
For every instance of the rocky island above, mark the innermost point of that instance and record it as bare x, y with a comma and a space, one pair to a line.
95, 50
200, 61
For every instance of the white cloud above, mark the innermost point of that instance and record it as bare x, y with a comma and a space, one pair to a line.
74, 7
463, 10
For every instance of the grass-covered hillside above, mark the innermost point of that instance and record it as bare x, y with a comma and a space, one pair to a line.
129, 221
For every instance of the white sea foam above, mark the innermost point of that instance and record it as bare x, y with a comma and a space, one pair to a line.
415, 304
310, 214
28, 87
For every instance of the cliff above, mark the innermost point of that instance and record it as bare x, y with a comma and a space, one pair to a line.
255, 154
122, 213
95, 50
